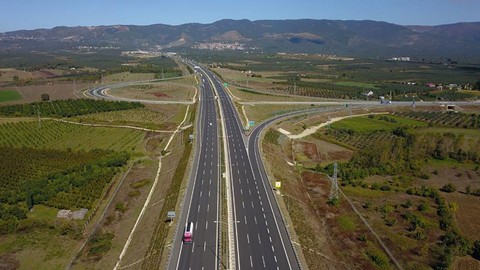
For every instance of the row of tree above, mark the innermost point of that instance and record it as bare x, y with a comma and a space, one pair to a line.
67, 108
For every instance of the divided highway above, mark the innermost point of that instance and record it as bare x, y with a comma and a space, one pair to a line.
202, 196
261, 240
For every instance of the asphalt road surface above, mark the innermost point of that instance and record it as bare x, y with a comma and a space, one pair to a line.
260, 234
202, 196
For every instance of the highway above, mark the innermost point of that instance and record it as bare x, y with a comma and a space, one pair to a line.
261, 241
202, 197
259, 237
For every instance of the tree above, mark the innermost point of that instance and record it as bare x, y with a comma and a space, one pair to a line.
45, 97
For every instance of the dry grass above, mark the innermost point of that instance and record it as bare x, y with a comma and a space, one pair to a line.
9, 73
57, 90
169, 90
163, 117
259, 113
324, 245
127, 77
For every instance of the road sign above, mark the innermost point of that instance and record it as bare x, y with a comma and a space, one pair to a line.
278, 184
251, 123
171, 214
190, 137
225, 84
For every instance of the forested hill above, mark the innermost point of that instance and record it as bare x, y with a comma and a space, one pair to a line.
355, 38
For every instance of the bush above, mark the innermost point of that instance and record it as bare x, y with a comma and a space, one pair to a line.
423, 206
333, 201
476, 250
407, 204
120, 206
390, 221
45, 97
449, 188
100, 243
378, 258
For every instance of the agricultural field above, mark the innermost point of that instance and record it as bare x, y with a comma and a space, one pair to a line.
374, 123
160, 117
452, 119
35, 184
9, 75
242, 94
326, 77
66, 108
413, 181
58, 135
9, 95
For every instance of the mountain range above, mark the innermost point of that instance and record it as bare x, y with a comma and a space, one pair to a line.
460, 41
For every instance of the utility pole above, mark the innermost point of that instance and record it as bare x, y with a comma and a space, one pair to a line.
334, 180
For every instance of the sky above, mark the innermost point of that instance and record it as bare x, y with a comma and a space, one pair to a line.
34, 14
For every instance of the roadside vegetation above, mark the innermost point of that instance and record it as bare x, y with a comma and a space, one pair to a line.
412, 178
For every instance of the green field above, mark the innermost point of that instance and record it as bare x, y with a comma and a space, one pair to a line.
367, 124
59, 135
9, 95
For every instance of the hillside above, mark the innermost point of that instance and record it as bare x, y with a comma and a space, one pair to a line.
459, 41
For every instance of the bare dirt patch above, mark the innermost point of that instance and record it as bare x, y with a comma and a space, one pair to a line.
9, 262
466, 215
55, 90
310, 150
161, 95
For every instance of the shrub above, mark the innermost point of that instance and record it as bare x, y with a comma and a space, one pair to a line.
100, 243
333, 201
423, 206
407, 204
378, 258
476, 250
45, 97
449, 188
120, 206
390, 221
